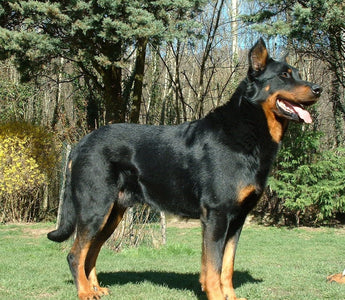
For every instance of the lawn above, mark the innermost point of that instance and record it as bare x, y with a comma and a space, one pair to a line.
272, 263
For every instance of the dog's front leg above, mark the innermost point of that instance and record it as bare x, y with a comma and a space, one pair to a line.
214, 231
228, 267
220, 236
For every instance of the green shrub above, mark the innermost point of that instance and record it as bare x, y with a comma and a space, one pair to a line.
310, 183
315, 191
27, 162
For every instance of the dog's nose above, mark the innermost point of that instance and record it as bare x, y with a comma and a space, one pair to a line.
316, 89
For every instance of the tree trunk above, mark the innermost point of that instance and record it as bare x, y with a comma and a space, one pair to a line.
211, 35
338, 111
336, 92
138, 80
234, 27
163, 228
115, 106
177, 81
63, 184
57, 107
155, 94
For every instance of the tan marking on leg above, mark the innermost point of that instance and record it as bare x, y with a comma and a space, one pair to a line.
83, 285
107, 228
228, 270
202, 279
106, 217
212, 283
94, 284
211, 277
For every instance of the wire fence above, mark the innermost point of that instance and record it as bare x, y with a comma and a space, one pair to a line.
141, 225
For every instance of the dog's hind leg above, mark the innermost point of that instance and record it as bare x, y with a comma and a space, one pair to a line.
76, 260
115, 216
98, 215
83, 255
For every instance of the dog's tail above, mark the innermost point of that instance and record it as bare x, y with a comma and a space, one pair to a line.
68, 213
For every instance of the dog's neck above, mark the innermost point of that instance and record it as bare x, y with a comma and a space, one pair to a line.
242, 109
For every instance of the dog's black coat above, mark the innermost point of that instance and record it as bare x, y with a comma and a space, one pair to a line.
196, 170
180, 169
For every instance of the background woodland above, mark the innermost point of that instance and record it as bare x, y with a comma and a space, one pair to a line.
69, 67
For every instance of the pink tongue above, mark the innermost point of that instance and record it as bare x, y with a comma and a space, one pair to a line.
303, 114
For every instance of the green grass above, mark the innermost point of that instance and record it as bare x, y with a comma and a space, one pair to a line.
271, 263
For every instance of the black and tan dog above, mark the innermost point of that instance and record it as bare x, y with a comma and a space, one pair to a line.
214, 169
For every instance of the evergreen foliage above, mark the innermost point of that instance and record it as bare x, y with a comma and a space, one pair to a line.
100, 37
314, 22
97, 36
310, 182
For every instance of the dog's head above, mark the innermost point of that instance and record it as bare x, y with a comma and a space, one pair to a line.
278, 87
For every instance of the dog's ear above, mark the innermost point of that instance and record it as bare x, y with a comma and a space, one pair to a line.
258, 56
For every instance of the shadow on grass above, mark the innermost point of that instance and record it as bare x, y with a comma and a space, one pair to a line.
171, 280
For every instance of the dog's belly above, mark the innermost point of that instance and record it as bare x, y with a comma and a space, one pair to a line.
176, 198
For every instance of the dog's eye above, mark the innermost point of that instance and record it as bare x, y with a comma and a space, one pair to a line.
285, 75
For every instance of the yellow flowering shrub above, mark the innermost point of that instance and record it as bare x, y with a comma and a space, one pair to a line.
27, 160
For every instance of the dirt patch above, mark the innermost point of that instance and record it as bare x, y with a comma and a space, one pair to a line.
31, 230
337, 230
36, 233
312, 229
181, 223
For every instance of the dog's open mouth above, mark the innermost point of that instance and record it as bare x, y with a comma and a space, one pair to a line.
293, 111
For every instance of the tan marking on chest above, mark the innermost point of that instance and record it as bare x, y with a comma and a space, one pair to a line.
245, 192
